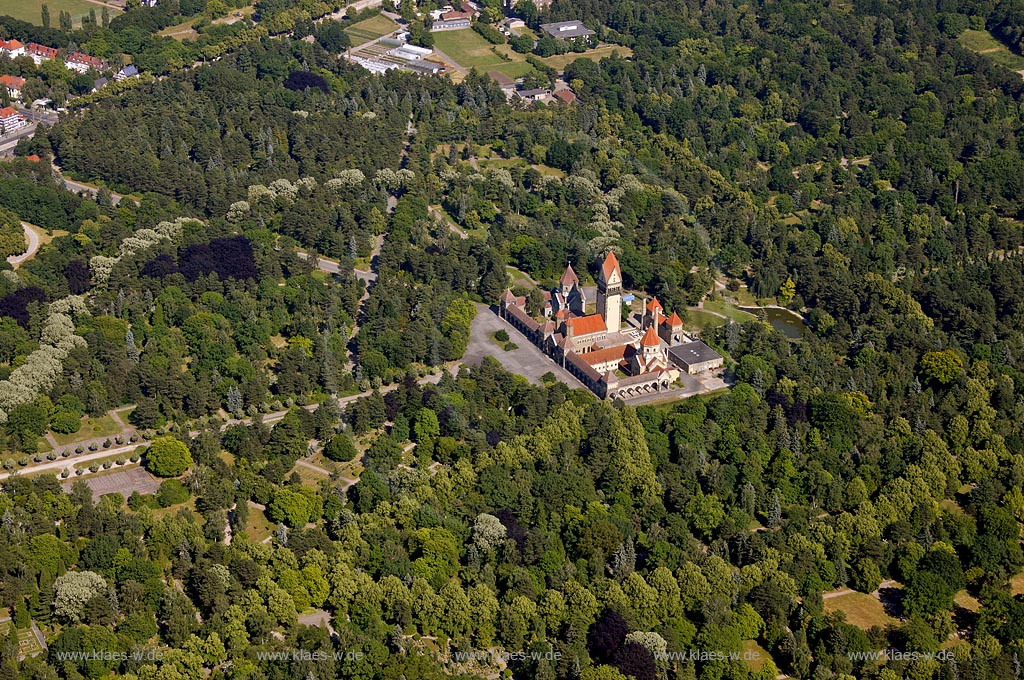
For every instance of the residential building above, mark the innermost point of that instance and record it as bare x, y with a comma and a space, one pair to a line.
40, 53
80, 62
12, 48
100, 83
11, 120
566, 30
14, 85
128, 71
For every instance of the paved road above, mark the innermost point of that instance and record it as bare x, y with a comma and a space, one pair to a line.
8, 142
451, 225
454, 64
33, 245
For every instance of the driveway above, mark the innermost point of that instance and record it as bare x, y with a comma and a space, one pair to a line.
527, 361
33, 245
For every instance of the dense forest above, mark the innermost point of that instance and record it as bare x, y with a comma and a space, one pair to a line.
850, 160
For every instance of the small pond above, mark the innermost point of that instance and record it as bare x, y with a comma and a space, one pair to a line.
787, 322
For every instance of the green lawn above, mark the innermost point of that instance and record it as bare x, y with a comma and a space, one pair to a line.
699, 319
31, 10
104, 426
469, 49
370, 29
727, 309
257, 526
987, 44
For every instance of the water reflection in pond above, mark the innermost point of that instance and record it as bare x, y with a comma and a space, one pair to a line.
787, 322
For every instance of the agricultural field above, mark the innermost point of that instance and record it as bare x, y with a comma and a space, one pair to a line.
370, 29
31, 10
985, 43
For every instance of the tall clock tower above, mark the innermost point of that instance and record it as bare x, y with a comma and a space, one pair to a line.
609, 293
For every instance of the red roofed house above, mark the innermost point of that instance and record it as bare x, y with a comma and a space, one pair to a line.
12, 48
10, 120
13, 85
40, 53
586, 331
566, 95
77, 61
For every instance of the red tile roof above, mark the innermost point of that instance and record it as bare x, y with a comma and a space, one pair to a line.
11, 45
33, 157
7, 112
650, 338
569, 278
91, 62
653, 304
601, 356
41, 50
611, 264
674, 320
587, 325
13, 82
566, 95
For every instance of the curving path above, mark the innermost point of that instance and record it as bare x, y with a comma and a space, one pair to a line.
33, 246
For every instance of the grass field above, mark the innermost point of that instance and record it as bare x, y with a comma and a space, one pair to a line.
104, 426
186, 29
31, 10
698, 319
1017, 585
985, 43
27, 643
370, 29
469, 49
725, 308
862, 610
257, 526
754, 655
560, 61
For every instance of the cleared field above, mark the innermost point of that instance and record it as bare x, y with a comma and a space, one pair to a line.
987, 44
469, 50
104, 426
186, 29
370, 29
862, 610
560, 61
1017, 585
32, 10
